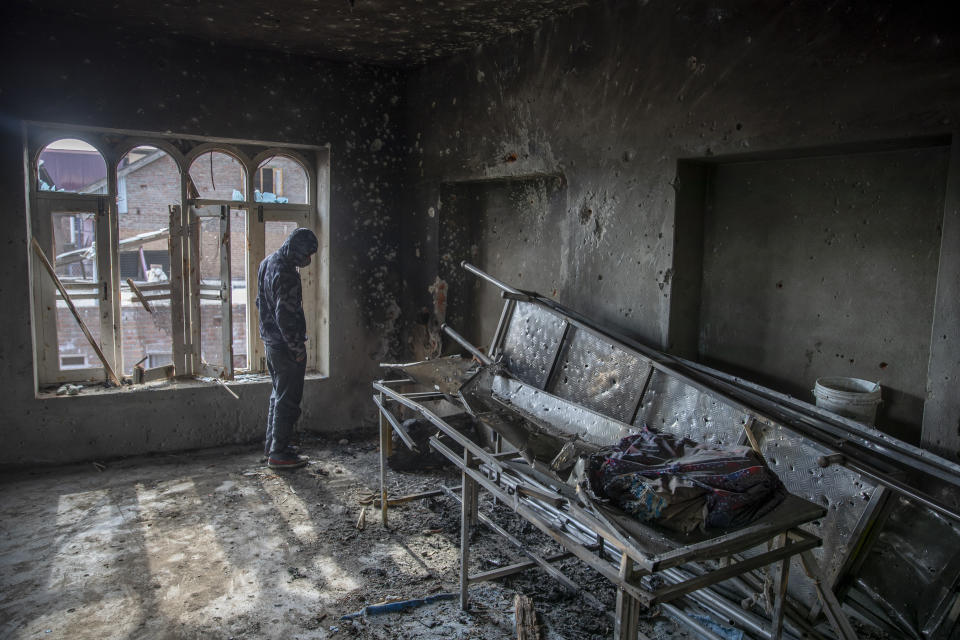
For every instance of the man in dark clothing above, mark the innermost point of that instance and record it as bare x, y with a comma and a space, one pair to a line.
284, 332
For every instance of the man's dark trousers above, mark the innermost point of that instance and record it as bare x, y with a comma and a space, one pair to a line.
287, 376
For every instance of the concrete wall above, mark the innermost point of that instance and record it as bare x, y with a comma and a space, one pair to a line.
198, 88
613, 96
826, 266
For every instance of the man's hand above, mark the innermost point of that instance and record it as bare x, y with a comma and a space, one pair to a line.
300, 357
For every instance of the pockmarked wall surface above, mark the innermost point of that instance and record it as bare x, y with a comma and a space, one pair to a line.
609, 99
115, 80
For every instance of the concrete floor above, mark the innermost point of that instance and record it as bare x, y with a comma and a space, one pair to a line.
212, 544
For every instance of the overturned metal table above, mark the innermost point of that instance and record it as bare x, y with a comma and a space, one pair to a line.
540, 356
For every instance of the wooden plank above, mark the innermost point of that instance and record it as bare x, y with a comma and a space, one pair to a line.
73, 310
392, 502
256, 357
780, 591
626, 624
141, 375
93, 295
107, 263
513, 569
226, 388
226, 294
178, 317
525, 618
831, 606
155, 286
192, 276
115, 295
752, 437
139, 295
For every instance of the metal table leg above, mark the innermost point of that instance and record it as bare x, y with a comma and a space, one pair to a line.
783, 575
627, 621
384, 452
468, 516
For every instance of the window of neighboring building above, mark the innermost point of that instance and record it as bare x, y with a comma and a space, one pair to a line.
269, 180
281, 180
78, 361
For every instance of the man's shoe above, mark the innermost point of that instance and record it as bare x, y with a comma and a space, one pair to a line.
285, 460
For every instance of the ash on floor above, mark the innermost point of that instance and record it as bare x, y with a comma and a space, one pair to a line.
213, 544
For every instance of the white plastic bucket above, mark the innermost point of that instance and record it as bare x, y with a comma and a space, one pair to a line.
849, 397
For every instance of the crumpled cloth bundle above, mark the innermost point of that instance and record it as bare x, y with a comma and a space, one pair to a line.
683, 485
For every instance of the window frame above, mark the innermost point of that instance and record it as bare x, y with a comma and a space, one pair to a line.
113, 146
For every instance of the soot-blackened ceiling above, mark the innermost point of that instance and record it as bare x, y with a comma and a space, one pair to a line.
387, 32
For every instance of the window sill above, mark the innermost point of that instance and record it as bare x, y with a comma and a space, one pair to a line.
176, 384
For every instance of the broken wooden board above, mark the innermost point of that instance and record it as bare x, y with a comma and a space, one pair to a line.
525, 618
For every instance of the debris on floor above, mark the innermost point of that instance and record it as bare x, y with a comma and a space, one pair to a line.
208, 544
69, 390
397, 606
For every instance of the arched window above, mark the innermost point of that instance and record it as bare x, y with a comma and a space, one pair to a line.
72, 166
154, 258
148, 183
217, 175
281, 180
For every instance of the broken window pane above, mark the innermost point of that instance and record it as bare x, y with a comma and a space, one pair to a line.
280, 180
76, 266
71, 166
219, 176
148, 182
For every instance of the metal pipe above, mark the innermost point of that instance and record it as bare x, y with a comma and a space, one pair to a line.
750, 623
463, 342
455, 435
407, 440
508, 306
489, 278
684, 618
